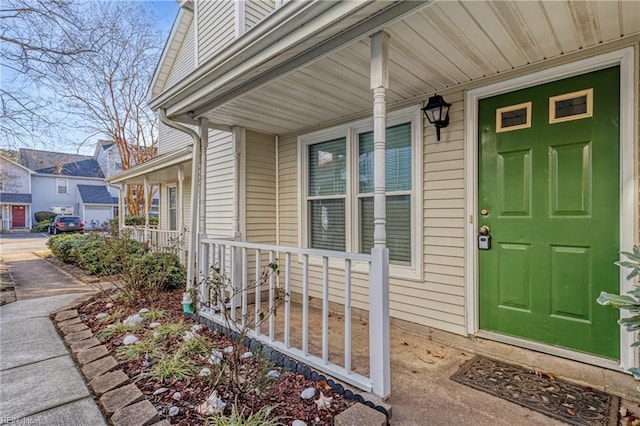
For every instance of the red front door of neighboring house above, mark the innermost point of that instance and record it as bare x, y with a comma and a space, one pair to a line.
17, 216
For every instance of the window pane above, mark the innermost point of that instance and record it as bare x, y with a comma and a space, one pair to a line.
397, 158
569, 107
327, 167
517, 117
398, 227
327, 224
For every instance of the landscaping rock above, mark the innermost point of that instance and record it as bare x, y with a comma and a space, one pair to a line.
66, 315
247, 355
99, 367
205, 372
273, 373
228, 350
108, 381
143, 311
360, 414
160, 391
129, 339
174, 411
139, 414
308, 393
78, 336
101, 315
83, 345
298, 423
133, 320
92, 354
119, 398
177, 396
154, 325
196, 328
109, 305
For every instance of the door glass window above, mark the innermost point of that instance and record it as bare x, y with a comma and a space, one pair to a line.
513, 117
571, 106
173, 208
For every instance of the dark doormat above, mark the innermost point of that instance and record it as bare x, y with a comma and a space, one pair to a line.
541, 392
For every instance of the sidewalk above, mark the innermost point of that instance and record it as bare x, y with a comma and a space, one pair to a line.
39, 381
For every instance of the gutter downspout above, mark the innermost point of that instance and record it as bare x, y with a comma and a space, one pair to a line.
195, 165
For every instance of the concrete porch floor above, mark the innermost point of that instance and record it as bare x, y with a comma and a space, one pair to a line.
423, 361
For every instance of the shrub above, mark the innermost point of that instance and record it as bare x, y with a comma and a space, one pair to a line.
42, 226
44, 216
162, 269
92, 256
62, 246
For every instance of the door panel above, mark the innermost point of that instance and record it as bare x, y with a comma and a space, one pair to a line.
551, 195
17, 216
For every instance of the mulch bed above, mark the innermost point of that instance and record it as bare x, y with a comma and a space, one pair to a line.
541, 392
283, 394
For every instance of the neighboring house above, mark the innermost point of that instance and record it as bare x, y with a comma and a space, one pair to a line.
501, 226
15, 195
69, 184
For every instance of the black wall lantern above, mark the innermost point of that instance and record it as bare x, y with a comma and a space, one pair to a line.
437, 112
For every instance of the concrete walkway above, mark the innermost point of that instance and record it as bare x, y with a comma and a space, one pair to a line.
39, 382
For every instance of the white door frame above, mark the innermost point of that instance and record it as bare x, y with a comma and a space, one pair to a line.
625, 58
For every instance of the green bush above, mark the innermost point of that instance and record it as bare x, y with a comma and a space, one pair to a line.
62, 246
42, 226
114, 223
43, 216
92, 256
162, 271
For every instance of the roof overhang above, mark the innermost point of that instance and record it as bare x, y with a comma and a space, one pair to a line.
161, 169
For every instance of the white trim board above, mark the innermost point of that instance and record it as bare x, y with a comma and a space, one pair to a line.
625, 58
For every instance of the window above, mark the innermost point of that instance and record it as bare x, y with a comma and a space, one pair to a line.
62, 185
172, 204
338, 177
513, 117
571, 106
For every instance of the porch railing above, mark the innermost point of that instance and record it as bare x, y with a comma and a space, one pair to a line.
236, 264
159, 240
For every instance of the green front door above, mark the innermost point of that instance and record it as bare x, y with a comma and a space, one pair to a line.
549, 193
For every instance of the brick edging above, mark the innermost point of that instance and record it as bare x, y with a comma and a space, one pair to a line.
120, 401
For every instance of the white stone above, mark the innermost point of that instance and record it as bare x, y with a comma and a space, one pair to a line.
101, 315
143, 311
129, 339
308, 393
133, 320
298, 423
189, 335
109, 305
216, 357
160, 391
205, 372
154, 325
247, 355
174, 411
212, 406
273, 373
228, 349
177, 396
196, 328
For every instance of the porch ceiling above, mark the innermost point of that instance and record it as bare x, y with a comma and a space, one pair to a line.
443, 45
162, 169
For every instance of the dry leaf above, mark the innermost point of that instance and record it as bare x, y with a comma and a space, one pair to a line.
437, 355
571, 397
544, 398
568, 405
324, 385
624, 412
518, 378
549, 375
571, 412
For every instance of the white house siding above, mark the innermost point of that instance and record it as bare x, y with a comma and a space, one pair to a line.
15, 179
170, 139
220, 185
437, 300
256, 10
260, 188
219, 29
185, 61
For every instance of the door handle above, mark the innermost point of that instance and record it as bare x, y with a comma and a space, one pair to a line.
484, 230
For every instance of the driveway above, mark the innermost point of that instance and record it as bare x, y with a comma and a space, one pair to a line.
11, 244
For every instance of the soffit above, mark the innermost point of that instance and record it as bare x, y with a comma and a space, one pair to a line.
444, 45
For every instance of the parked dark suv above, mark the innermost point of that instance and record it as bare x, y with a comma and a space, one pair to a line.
62, 223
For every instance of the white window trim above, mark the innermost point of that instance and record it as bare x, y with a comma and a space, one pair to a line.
588, 93
175, 188
350, 132
66, 185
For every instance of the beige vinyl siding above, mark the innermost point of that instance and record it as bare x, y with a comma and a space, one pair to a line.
170, 139
437, 300
216, 27
260, 188
163, 220
185, 61
256, 10
220, 185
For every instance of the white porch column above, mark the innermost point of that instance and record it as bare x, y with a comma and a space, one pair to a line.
379, 275
121, 213
145, 198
